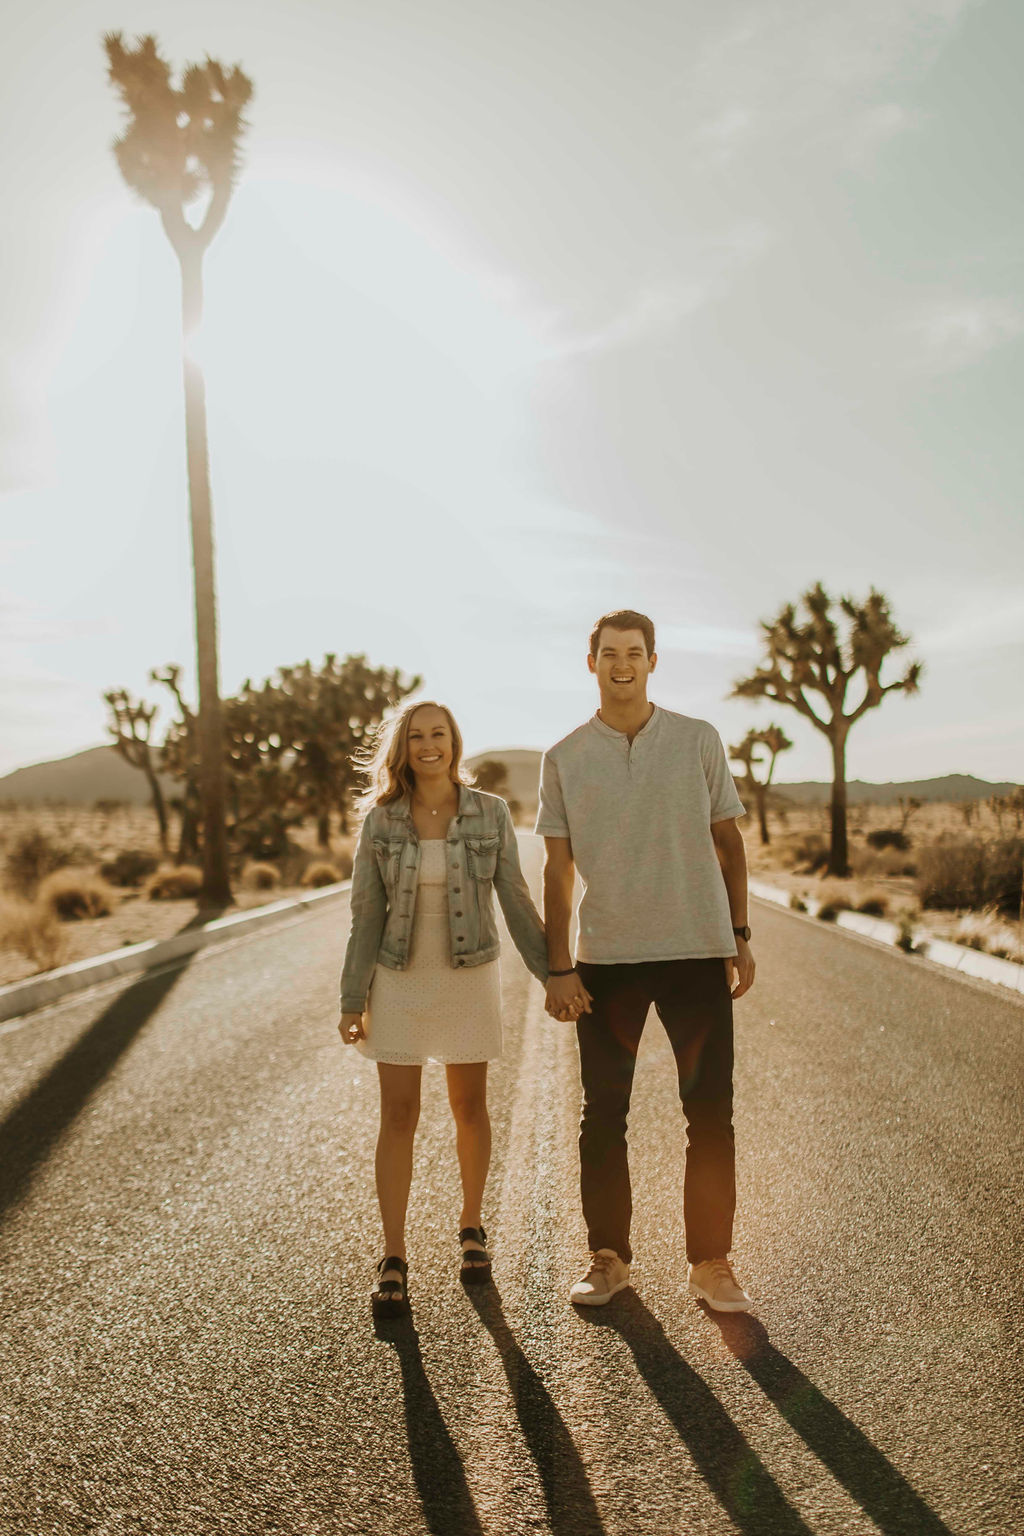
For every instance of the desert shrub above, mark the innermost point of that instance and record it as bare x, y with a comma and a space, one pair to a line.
867, 862
321, 873
811, 852
174, 882
888, 837
967, 872
130, 867
988, 932
32, 930
343, 863
827, 912
108, 807
260, 877
31, 857
75, 893
796, 902
872, 906
833, 899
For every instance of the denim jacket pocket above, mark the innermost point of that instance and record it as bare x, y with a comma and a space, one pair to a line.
482, 856
388, 853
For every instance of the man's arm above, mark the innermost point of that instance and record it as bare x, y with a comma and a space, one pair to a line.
567, 997
732, 860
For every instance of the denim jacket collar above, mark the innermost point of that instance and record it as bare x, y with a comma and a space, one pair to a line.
401, 809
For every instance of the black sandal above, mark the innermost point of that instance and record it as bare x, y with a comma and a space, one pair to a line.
390, 1298
475, 1270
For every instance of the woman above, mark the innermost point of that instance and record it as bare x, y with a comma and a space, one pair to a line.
421, 980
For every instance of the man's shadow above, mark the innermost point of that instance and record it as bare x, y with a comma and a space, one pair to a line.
853, 1460
33, 1127
722, 1454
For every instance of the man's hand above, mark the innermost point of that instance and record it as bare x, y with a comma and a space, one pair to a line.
567, 998
350, 1028
739, 971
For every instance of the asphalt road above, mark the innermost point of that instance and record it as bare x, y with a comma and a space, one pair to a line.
189, 1227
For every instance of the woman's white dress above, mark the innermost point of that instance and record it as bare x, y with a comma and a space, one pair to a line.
433, 1011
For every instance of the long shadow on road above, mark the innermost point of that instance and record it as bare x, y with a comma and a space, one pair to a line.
31, 1130
730, 1466
437, 1468
853, 1460
567, 1492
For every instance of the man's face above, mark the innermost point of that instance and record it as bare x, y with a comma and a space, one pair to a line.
621, 665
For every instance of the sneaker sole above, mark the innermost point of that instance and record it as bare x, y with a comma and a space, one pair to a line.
720, 1306
598, 1301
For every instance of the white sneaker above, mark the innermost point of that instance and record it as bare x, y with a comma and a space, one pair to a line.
606, 1275
714, 1282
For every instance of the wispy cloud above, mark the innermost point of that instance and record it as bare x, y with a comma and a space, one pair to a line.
789, 66
871, 130
657, 307
955, 333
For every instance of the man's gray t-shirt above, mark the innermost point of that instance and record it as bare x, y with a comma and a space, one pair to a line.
639, 818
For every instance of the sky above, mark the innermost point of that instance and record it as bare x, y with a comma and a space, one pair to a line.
520, 314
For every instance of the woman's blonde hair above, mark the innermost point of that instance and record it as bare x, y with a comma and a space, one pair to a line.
386, 762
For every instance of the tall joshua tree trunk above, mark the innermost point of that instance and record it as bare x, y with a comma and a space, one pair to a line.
838, 857
182, 143
216, 889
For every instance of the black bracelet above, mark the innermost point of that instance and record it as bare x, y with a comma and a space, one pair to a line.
570, 972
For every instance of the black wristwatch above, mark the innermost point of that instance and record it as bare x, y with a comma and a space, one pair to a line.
742, 933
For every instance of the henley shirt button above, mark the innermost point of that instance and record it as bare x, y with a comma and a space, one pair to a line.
458, 890
458, 914
460, 962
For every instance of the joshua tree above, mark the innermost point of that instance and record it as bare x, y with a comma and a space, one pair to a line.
774, 739
130, 724
179, 756
181, 145
810, 655
492, 776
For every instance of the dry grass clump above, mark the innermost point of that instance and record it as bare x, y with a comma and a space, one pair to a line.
988, 932
321, 873
260, 877
175, 882
32, 930
76, 893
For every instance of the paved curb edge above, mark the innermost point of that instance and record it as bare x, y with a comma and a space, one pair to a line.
22, 997
957, 957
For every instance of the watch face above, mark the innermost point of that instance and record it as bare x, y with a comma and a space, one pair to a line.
742, 933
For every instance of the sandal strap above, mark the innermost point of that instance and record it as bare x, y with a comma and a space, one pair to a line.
393, 1262
473, 1235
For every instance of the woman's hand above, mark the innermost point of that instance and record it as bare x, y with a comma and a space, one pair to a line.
351, 1028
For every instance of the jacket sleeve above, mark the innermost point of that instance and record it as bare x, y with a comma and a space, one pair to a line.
522, 917
369, 904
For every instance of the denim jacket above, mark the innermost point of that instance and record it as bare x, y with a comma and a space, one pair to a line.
482, 855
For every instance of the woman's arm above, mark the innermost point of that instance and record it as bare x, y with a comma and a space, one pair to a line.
521, 915
369, 905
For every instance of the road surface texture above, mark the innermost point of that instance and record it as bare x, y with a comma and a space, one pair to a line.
189, 1227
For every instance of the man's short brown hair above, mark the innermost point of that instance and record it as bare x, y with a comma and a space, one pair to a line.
621, 619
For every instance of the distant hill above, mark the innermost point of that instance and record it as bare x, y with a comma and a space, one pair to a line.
98, 773
524, 769
954, 787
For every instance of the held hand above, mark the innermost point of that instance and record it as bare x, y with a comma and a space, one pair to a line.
351, 1028
739, 972
567, 998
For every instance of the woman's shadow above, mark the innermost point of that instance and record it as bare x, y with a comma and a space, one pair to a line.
437, 1467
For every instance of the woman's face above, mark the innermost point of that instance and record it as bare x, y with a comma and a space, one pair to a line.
430, 744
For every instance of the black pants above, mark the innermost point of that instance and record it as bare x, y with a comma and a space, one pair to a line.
693, 1002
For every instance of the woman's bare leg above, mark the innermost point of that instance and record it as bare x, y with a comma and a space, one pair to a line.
467, 1095
399, 1112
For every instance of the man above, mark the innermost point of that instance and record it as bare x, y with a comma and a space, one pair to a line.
641, 801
